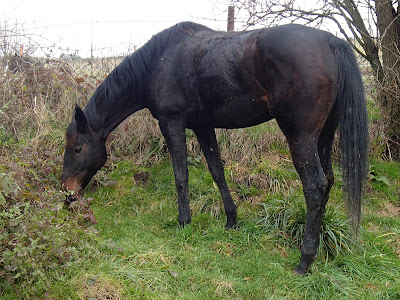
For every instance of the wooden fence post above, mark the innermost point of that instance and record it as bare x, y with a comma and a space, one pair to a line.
231, 18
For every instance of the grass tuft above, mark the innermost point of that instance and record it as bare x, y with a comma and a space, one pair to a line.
286, 218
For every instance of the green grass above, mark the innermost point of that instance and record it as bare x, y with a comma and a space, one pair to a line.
144, 254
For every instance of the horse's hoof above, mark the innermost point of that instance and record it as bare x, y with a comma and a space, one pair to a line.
301, 270
298, 271
184, 223
231, 221
232, 226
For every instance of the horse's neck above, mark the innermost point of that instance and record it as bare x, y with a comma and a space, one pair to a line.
120, 94
115, 99
106, 117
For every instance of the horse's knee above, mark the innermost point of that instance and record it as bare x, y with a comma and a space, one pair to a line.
180, 186
181, 182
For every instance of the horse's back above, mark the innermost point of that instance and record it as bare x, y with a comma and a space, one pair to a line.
240, 79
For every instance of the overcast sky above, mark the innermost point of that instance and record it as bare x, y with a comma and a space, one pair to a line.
112, 25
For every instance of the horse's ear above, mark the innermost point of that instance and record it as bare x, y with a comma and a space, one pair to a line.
80, 119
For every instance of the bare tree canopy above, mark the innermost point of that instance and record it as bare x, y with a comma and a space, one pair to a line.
372, 27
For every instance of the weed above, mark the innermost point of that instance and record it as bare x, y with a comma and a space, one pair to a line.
35, 243
8, 188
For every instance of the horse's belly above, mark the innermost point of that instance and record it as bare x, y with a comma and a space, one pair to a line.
239, 114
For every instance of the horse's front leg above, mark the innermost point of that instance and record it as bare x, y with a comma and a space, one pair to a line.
209, 145
174, 134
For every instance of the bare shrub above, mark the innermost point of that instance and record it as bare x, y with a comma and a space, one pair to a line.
248, 145
140, 137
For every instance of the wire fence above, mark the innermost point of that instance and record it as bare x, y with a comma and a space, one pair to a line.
27, 64
25, 50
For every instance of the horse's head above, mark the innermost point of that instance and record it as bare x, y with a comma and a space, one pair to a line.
85, 154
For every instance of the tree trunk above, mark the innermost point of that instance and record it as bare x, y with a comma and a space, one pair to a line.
388, 21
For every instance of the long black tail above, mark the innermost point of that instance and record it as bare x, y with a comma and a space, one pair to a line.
354, 137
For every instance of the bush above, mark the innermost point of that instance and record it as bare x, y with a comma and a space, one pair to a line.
38, 246
39, 240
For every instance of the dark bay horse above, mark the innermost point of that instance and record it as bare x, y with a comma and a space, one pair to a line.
190, 76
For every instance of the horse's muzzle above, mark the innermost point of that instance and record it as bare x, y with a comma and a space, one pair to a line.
73, 190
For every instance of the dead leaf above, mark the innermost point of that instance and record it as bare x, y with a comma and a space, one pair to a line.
60, 205
92, 219
248, 278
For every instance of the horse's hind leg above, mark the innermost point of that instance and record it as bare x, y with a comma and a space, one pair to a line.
209, 145
325, 142
316, 173
174, 134
316, 188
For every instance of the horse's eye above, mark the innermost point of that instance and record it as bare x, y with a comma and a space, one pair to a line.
78, 149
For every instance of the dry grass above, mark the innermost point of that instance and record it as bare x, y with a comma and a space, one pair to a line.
387, 209
35, 101
138, 136
248, 145
99, 288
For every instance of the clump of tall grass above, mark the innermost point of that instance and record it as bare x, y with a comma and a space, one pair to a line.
35, 102
286, 217
207, 204
138, 136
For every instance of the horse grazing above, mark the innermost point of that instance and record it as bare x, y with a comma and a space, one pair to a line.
190, 76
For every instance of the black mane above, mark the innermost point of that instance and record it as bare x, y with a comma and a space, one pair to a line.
131, 72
